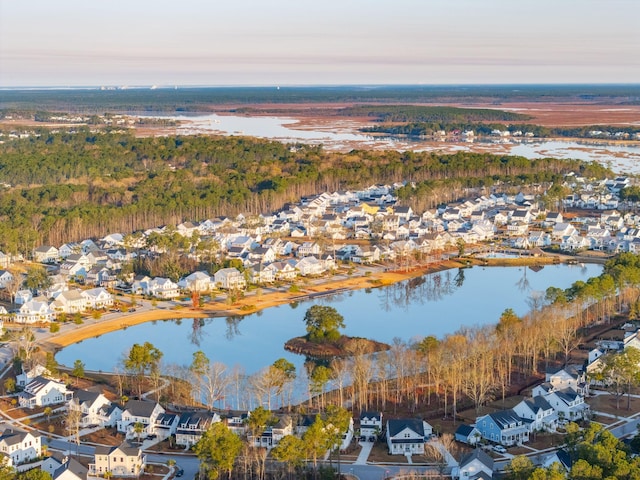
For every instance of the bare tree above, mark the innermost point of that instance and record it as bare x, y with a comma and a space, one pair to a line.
24, 345
340, 377
13, 285
361, 372
72, 425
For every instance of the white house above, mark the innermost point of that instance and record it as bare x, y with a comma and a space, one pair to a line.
229, 278
91, 405
42, 391
540, 412
157, 287
474, 465
139, 411
407, 436
66, 469
6, 277
272, 434
69, 301
122, 461
46, 254
24, 378
567, 403
98, 298
20, 447
197, 282
370, 423
35, 311
192, 425
309, 266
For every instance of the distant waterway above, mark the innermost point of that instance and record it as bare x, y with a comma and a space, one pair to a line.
436, 304
344, 134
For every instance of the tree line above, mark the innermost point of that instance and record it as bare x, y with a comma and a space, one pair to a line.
429, 128
431, 114
68, 186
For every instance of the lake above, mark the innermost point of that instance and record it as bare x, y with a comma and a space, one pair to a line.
435, 304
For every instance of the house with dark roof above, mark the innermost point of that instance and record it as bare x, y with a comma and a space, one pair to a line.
191, 426
370, 423
467, 434
407, 436
90, 404
272, 434
139, 411
118, 461
540, 412
504, 427
166, 425
560, 457
61, 467
474, 465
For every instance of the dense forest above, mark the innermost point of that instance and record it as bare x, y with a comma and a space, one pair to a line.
197, 99
432, 114
66, 186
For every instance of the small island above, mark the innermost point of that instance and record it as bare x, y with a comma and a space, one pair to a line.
324, 340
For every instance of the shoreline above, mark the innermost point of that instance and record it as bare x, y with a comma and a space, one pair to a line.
250, 304
256, 301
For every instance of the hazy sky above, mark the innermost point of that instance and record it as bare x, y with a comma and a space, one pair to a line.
285, 42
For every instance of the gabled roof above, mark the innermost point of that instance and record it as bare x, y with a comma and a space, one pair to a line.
371, 415
72, 466
125, 448
39, 382
85, 396
395, 426
477, 454
538, 403
12, 437
140, 408
504, 418
464, 430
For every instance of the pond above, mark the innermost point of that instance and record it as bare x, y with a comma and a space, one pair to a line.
435, 304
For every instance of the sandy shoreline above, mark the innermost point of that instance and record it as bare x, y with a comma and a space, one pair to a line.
248, 305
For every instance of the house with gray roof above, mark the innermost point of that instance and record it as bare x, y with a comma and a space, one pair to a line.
20, 447
474, 465
540, 412
191, 426
43, 391
407, 436
505, 427
118, 461
139, 411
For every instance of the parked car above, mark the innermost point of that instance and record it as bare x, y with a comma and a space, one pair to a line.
179, 472
499, 449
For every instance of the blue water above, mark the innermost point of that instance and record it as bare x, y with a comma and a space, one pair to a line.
436, 304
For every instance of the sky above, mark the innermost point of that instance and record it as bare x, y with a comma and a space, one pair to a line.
322, 42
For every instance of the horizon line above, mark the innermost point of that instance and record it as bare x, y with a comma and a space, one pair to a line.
124, 87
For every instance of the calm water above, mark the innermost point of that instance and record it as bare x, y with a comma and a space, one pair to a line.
436, 304
344, 135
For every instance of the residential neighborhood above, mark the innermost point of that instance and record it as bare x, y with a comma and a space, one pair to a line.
312, 239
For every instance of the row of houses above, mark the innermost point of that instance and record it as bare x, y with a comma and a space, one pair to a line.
561, 398
42, 309
372, 214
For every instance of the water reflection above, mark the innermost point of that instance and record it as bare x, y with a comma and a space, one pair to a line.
420, 290
233, 329
197, 331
